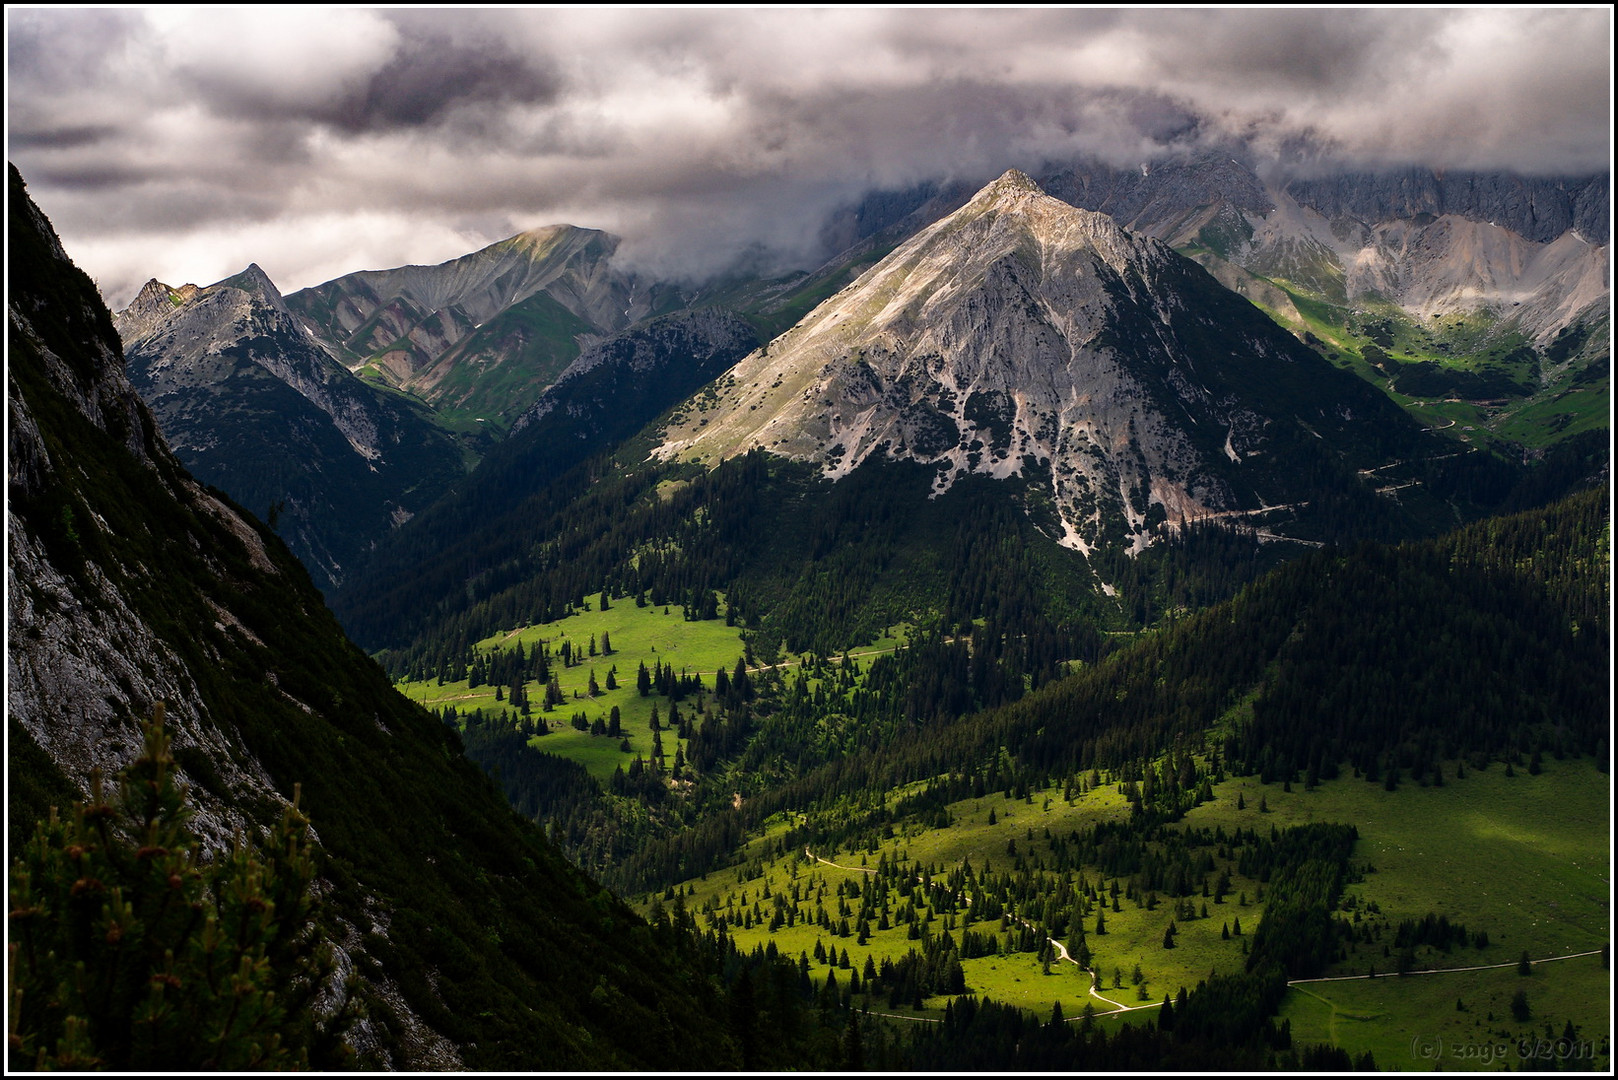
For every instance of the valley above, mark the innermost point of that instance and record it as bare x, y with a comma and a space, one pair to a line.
1001, 646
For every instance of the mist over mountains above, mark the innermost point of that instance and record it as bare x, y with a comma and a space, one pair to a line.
406, 378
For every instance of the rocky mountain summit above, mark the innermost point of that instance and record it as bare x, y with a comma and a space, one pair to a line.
1023, 336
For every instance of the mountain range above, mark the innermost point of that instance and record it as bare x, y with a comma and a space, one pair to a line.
1478, 303
1090, 522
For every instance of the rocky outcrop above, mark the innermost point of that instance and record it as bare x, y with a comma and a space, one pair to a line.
1538, 209
468, 941
83, 663
1156, 196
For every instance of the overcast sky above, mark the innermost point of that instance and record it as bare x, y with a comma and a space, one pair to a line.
183, 144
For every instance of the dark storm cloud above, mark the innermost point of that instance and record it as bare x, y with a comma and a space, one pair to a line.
98, 176
433, 76
317, 140
1298, 51
40, 55
425, 79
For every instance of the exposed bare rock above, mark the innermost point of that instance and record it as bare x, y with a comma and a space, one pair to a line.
129, 583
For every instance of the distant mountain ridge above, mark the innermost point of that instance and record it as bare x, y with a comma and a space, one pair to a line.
487, 341
479, 337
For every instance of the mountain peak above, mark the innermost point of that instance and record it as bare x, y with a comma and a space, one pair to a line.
1022, 336
154, 291
547, 238
1013, 182
1012, 189
150, 307
1018, 202
255, 282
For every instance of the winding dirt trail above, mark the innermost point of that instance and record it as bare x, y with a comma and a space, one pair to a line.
1117, 1007
1060, 949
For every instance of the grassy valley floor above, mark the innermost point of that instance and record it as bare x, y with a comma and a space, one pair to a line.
1522, 858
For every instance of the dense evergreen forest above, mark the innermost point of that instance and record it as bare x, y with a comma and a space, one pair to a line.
1382, 660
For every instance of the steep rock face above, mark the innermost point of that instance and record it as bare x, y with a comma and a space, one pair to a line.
1431, 266
1538, 209
1021, 335
82, 661
513, 314
471, 943
252, 404
1160, 196
1455, 264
